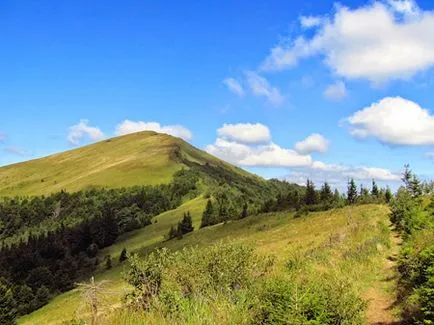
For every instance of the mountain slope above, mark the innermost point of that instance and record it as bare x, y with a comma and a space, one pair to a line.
144, 158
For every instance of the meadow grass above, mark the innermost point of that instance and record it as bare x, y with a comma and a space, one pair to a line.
351, 241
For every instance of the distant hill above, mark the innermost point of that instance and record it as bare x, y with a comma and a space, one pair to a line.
144, 158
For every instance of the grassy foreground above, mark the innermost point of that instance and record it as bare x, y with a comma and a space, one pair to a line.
352, 241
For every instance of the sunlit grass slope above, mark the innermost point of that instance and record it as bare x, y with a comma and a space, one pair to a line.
332, 240
145, 158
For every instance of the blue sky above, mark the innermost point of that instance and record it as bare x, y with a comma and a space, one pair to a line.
351, 82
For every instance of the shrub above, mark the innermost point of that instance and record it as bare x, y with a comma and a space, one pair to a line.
322, 301
162, 278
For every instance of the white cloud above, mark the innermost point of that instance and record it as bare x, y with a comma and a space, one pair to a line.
261, 87
310, 21
405, 7
3, 137
82, 130
336, 91
128, 126
429, 155
245, 152
394, 120
234, 86
338, 175
245, 132
378, 42
269, 155
313, 143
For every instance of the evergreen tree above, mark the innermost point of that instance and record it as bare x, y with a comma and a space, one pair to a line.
123, 256
172, 232
310, 195
208, 214
186, 224
412, 182
325, 193
108, 262
7, 305
336, 197
388, 195
351, 192
374, 190
244, 213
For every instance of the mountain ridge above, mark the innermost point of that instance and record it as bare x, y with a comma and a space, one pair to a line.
142, 158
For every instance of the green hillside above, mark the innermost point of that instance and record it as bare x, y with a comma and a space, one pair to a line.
320, 244
144, 158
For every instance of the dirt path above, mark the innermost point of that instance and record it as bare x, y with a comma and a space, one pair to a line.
381, 296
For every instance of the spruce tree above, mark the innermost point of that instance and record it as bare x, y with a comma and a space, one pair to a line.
108, 262
123, 256
388, 195
325, 194
310, 195
208, 215
374, 190
186, 224
244, 213
351, 192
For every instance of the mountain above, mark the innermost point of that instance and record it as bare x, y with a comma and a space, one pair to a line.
144, 158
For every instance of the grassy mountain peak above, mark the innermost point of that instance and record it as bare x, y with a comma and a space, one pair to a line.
143, 158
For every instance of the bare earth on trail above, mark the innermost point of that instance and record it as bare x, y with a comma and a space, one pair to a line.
381, 296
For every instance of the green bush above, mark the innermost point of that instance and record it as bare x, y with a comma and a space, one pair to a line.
319, 301
163, 278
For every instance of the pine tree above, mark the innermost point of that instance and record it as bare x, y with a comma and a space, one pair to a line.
325, 194
310, 195
351, 192
388, 195
208, 215
123, 256
244, 213
374, 190
336, 196
7, 305
108, 262
186, 224
172, 232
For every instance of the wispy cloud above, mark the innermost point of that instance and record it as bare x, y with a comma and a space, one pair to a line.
260, 86
234, 86
336, 91
17, 151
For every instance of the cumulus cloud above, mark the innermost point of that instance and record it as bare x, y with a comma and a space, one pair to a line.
268, 155
429, 155
313, 143
394, 120
245, 132
260, 86
378, 42
234, 86
83, 130
336, 92
128, 126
